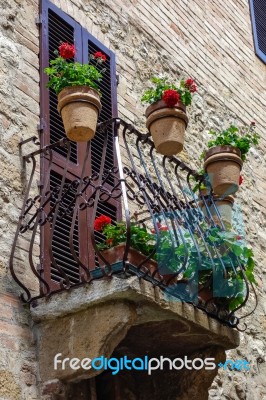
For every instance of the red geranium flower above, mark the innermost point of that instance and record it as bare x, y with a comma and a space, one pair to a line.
171, 97
160, 227
100, 55
191, 85
101, 222
193, 88
189, 82
253, 123
241, 179
109, 241
238, 237
67, 50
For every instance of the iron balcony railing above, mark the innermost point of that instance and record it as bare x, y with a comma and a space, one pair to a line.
170, 235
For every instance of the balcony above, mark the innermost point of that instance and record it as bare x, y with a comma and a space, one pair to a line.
154, 198
170, 250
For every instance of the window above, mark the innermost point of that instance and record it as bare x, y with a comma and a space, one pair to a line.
258, 18
59, 27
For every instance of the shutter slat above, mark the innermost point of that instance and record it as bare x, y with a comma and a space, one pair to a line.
258, 14
60, 240
59, 31
106, 113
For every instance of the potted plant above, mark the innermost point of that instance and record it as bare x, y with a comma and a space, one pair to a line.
215, 207
142, 243
219, 209
153, 253
77, 88
166, 115
224, 159
220, 280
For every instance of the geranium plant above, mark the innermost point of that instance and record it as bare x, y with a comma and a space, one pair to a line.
115, 233
233, 136
171, 93
63, 72
222, 273
141, 239
214, 262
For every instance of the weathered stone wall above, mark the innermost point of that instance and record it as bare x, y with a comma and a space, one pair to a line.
19, 116
208, 40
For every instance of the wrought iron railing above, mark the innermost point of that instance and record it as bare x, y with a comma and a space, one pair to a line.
185, 255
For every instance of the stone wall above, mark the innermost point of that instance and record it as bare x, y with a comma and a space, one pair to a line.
208, 40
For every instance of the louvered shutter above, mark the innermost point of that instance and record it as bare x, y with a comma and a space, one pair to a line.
107, 87
58, 27
258, 18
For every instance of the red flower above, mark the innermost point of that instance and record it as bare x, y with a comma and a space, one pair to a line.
101, 222
191, 85
171, 97
238, 237
160, 227
100, 55
109, 241
253, 123
67, 50
241, 179
189, 82
193, 88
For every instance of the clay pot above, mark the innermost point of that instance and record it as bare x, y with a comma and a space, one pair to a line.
210, 303
79, 107
223, 165
167, 126
116, 254
224, 206
205, 294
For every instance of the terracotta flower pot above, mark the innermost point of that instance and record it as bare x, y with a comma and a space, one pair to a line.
79, 107
211, 303
223, 165
224, 206
205, 294
167, 126
116, 254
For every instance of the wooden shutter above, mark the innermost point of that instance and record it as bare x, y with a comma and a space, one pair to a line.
107, 87
258, 18
59, 27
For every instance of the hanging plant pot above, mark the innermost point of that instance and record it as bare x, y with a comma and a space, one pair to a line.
223, 165
79, 107
224, 207
167, 126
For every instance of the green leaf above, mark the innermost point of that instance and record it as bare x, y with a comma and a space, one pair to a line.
237, 250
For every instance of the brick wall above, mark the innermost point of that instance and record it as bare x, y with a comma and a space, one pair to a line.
208, 40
